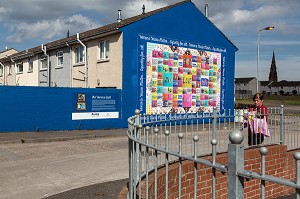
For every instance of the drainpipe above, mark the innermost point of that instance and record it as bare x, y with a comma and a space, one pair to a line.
3, 73
85, 65
71, 66
17, 81
44, 49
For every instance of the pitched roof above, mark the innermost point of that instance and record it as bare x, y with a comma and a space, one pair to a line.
94, 32
243, 80
285, 83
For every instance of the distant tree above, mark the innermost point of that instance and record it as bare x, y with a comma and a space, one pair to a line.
281, 92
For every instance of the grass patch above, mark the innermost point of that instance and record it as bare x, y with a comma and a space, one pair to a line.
275, 100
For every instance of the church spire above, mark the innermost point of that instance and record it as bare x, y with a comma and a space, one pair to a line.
273, 71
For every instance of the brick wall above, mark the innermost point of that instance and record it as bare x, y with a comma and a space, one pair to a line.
279, 163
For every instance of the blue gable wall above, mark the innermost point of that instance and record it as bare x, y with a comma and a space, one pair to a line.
185, 23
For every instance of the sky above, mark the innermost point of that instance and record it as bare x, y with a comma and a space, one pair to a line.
30, 23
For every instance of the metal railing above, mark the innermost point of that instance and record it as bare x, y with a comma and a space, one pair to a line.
156, 141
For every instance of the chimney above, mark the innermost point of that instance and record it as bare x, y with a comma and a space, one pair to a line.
6, 48
119, 16
143, 8
68, 33
206, 10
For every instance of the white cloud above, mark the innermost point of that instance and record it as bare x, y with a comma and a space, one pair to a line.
49, 29
133, 8
242, 19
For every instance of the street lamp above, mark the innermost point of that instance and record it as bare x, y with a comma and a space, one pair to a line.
266, 28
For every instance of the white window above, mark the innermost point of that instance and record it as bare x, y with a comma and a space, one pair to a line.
1, 70
30, 62
44, 62
60, 58
9, 69
20, 67
104, 49
79, 54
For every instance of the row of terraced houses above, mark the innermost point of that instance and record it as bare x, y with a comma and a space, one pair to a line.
80, 60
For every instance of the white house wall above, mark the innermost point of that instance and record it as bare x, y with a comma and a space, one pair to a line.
106, 73
27, 78
10, 78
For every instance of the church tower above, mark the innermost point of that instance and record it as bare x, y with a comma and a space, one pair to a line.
273, 71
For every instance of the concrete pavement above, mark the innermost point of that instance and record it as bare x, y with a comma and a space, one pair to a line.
57, 165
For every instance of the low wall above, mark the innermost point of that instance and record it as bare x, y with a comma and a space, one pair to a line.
279, 163
25, 108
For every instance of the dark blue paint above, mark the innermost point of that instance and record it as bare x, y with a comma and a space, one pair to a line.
42, 109
186, 23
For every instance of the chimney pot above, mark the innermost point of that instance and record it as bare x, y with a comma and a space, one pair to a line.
119, 16
206, 10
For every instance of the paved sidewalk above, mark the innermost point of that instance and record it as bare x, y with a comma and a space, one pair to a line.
49, 166
51, 136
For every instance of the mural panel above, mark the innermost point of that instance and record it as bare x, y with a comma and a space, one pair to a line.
178, 79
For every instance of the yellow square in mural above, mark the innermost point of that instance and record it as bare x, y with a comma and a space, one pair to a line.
187, 81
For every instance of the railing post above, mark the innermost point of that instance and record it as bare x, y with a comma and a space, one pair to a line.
235, 164
214, 154
180, 136
263, 151
195, 139
156, 130
147, 160
282, 140
137, 161
167, 133
297, 158
214, 151
130, 158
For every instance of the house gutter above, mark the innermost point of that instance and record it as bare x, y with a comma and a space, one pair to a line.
3, 72
85, 65
44, 49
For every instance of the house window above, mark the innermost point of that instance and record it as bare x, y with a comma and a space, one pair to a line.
60, 58
30, 62
1, 71
79, 54
20, 67
44, 62
104, 49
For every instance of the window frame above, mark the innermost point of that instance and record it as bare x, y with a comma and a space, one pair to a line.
59, 59
43, 59
18, 71
104, 50
30, 64
79, 55
1, 70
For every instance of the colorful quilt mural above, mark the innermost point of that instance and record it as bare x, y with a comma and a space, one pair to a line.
181, 79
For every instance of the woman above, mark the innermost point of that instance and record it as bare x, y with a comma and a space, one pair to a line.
257, 118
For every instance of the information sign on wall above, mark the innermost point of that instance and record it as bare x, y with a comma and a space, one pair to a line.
95, 106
